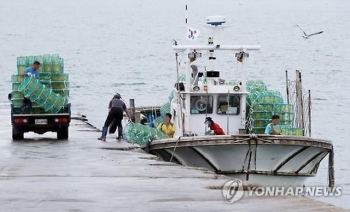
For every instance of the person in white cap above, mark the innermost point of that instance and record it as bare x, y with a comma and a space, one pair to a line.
116, 108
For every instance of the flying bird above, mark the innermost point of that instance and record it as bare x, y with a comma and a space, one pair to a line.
306, 36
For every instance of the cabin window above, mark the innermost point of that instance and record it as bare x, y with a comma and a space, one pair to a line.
201, 104
228, 104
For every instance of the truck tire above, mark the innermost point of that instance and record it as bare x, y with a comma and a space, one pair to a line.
62, 133
17, 134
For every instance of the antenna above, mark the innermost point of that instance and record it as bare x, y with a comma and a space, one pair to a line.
186, 15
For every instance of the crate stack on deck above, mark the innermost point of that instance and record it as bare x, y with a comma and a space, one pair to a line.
263, 104
49, 93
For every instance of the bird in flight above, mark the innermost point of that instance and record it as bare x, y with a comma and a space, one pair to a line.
306, 36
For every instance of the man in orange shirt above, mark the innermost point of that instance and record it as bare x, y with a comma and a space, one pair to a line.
214, 126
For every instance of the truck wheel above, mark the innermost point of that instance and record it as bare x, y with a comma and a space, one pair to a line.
62, 133
17, 134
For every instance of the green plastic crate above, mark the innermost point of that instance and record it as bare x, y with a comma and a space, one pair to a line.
261, 122
258, 130
59, 77
59, 85
262, 115
262, 107
17, 78
283, 108
17, 95
15, 86
17, 102
62, 92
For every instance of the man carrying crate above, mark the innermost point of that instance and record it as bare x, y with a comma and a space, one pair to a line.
30, 71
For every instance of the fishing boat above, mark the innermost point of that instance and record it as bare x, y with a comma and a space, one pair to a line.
242, 108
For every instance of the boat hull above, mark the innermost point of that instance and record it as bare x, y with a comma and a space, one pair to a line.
259, 160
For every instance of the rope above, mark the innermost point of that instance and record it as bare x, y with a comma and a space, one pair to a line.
172, 154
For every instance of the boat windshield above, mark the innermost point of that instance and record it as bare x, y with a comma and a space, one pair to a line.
202, 104
228, 104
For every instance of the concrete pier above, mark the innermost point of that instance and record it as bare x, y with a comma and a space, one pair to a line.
83, 174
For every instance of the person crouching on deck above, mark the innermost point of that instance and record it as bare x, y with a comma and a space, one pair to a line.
273, 128
214, 126
116, 108
167, 127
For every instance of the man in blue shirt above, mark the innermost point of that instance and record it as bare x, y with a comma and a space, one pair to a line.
273, 128
32, 71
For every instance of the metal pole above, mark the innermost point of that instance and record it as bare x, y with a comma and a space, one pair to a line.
331, 169
180, 119
186, 15
132, 107
309, 107
302, 104
296, 109
244, 97
227, 112
287, 86
137, 117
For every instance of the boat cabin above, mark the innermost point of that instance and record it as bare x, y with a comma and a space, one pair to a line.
204, 93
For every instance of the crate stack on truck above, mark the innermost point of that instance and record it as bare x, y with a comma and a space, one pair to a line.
50, 93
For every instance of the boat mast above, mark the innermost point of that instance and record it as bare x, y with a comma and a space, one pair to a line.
309, 112
214, 44
287, 87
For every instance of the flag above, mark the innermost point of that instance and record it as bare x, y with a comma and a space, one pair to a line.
192, 34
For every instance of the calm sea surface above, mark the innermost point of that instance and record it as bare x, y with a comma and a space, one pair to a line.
125, 46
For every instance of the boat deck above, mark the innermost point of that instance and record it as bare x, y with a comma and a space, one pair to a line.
82, 174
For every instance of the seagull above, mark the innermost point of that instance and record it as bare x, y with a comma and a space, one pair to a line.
306, 36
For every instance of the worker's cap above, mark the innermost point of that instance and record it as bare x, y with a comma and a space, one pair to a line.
117, 96
208, 119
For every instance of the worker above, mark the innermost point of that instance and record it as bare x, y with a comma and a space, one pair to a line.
214, 127
30, 71
167, 127
33, 71
116, 108
273, 128
143, 119
26, 104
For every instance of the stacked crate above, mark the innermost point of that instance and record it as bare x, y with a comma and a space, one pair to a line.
141, 134
50, 93
262, 104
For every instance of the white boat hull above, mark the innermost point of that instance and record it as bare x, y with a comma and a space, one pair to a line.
263, 160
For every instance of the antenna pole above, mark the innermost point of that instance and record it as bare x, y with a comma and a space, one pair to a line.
186, 15
178, 94
301, 102
227, 112
287, 86
309, 104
